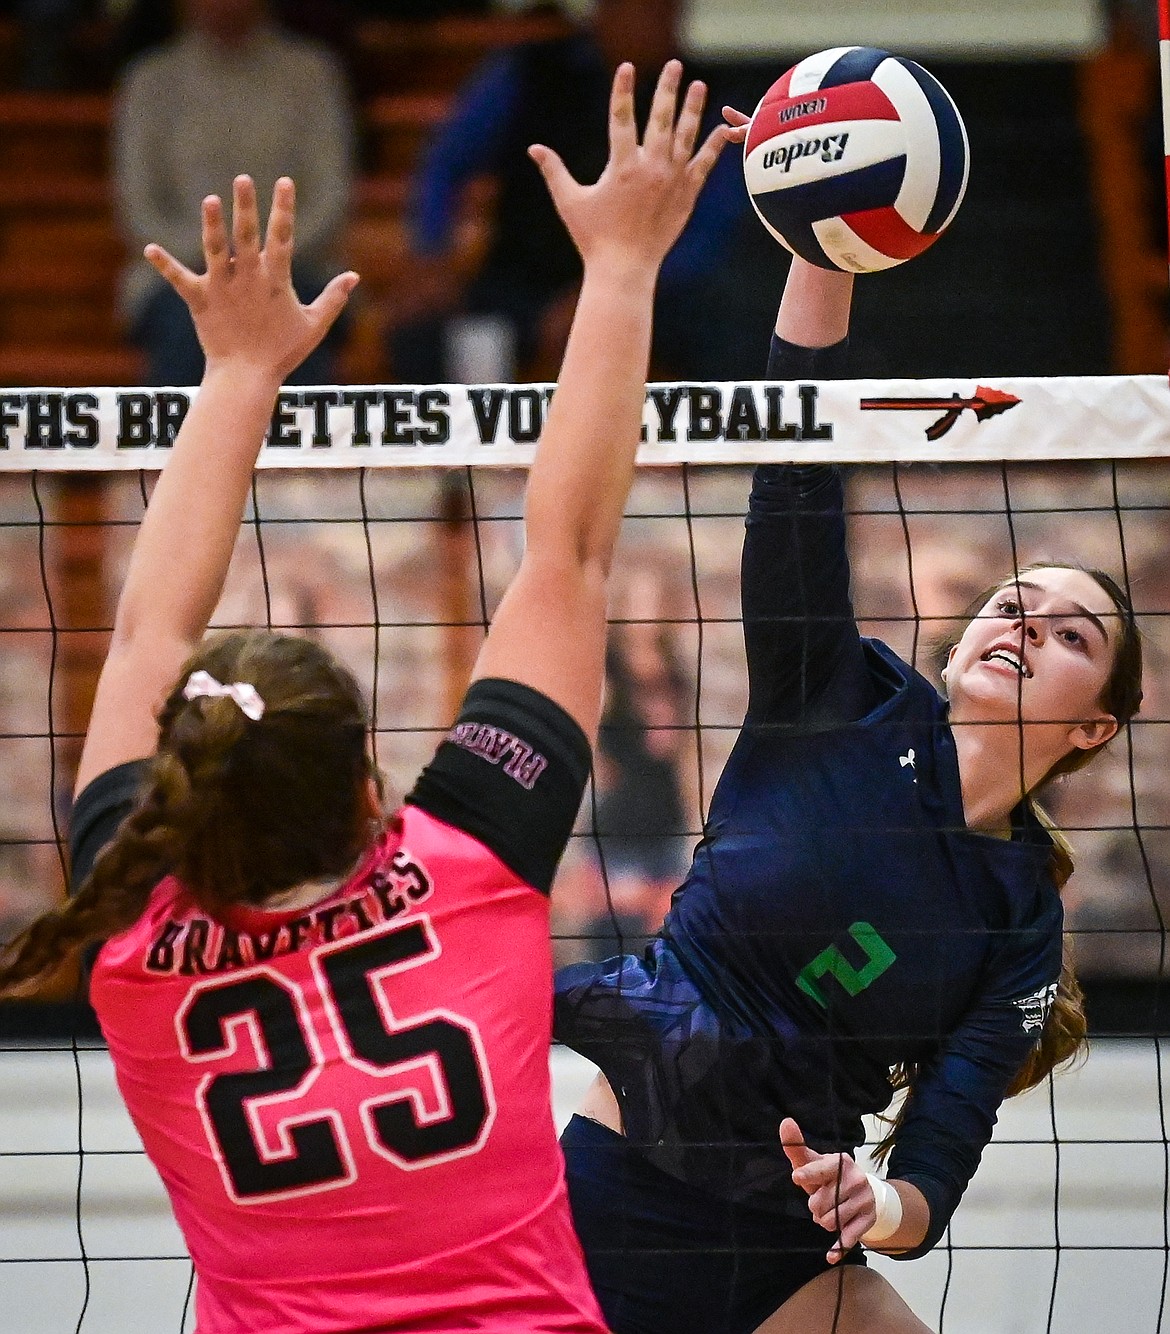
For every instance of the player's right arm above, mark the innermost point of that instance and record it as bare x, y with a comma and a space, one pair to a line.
804, 657
805, 661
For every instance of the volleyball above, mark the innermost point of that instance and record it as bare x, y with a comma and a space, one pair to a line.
856, 159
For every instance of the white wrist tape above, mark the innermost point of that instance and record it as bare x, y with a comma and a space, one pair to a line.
889, 1211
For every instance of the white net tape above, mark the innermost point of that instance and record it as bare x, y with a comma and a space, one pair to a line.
844, 421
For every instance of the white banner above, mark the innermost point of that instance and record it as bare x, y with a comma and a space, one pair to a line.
412, 426
985, 29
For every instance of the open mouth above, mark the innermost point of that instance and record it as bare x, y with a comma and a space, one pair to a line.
1009, 659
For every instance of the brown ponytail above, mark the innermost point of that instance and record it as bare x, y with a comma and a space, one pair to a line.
110, 900
237, 809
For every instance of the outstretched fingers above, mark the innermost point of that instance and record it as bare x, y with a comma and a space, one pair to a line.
792, 1142
216, 251
641, 201
660, 125
178, 275
245, 307
278, 241
686, 129
623, 127
245, 222
331, 302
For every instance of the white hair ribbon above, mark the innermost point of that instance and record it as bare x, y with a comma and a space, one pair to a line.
245, 695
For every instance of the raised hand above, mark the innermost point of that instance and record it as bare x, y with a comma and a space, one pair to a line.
640, 203
244, 306
840, 1197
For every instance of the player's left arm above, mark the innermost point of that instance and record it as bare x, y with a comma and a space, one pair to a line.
513, 769
949, 1117
253, 330
549, 630
955, 1100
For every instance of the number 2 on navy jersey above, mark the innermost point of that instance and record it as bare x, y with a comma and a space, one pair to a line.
309, 1148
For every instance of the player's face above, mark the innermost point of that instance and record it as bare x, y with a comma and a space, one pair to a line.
1040, 651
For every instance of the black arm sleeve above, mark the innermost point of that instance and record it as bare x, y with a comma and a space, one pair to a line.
805, 660
511, 773
100, 808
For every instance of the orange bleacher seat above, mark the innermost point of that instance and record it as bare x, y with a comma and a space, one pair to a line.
59, 248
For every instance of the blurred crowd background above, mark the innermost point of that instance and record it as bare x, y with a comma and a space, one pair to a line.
404, 123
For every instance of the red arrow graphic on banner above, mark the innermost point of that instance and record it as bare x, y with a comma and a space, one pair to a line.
984, 403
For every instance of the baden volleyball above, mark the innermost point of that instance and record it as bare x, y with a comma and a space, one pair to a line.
856, 159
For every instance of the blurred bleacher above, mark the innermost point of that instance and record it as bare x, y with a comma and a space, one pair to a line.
60, 250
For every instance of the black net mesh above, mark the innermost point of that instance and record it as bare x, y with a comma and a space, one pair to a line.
398, 571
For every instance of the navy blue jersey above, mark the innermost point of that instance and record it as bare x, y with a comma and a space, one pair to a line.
838, 918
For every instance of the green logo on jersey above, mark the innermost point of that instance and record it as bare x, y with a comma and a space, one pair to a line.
833, 962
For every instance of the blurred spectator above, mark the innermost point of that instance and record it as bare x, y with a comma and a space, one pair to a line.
421, 9
142, 24
514, 315
231, 93
639, 844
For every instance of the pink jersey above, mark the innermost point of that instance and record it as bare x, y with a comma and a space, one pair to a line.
349, 1104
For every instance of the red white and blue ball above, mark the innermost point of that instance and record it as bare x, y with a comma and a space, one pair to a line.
856, 159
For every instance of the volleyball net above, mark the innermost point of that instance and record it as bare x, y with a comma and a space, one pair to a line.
386, 521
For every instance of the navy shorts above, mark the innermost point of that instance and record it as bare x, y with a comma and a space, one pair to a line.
665, 1258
